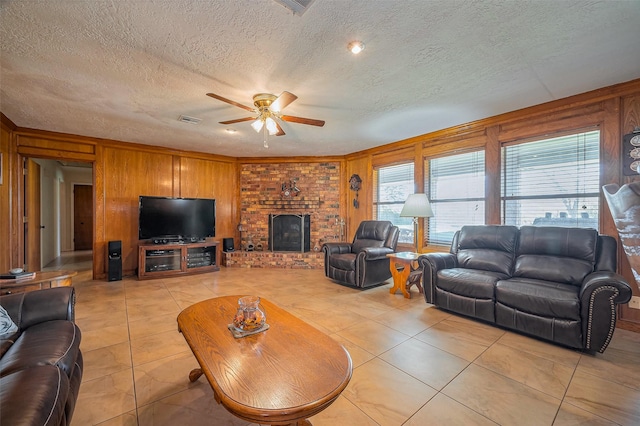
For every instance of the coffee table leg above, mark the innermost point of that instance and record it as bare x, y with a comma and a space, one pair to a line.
195, 374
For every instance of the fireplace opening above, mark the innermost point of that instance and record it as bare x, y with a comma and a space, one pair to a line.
290, 232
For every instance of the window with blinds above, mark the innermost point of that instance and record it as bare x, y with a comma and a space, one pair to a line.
392, 186
456, 193
552, 182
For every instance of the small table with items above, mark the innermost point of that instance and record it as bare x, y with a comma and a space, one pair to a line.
46, 279
405, 273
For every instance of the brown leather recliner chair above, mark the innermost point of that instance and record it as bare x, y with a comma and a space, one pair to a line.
364, 262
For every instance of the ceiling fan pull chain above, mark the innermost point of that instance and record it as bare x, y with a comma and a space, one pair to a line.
266, 136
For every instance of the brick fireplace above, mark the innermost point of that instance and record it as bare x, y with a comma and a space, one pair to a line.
262, 194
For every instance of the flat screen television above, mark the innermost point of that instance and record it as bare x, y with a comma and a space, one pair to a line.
176, 219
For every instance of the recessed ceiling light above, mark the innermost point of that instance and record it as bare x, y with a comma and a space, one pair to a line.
355, 47
230, 130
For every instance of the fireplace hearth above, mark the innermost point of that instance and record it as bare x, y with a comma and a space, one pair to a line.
290, 232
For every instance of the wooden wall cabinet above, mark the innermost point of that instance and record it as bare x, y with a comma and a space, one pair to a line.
162, 260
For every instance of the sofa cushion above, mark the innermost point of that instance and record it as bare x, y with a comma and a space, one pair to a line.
542, 298
360, 244
566, 332
469, 282
344, 261
52, 342
563, 270
35, 396
486, 247
564, 255
373, 230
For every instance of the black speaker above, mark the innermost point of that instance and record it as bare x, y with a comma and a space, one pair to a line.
227, 244
115, 260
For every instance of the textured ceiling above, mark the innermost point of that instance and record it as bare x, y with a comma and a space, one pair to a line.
126, 70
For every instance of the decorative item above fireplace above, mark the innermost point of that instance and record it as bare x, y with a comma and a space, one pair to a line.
290, 232
289, 189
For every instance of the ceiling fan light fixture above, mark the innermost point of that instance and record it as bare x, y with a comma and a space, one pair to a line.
272, 128
355, 47
257, 125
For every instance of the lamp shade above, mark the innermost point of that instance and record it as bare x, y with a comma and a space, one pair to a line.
417, 205
272, 128
257, 125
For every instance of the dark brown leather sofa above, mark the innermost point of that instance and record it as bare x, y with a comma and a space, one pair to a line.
558, 284
364, 262
41, 364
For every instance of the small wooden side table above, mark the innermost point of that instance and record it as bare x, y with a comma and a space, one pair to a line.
42, 280
400, 265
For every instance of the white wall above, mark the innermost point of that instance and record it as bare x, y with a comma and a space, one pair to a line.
50, 176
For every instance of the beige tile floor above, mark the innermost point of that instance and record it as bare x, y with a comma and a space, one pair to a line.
413, 364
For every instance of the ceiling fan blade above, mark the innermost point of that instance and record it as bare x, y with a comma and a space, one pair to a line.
220, 98
238, 120
280, 131
282, 101
301, 120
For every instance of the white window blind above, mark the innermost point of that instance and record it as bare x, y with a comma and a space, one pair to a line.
552, 182
392, 186
456, 192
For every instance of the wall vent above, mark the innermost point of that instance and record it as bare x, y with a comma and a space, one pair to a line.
298, 7
190, 120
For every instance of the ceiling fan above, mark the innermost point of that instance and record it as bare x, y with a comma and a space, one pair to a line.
268, 111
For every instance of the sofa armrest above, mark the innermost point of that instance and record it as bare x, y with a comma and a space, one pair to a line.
34, 307
600, 293
336, 248
430, 264
375, 253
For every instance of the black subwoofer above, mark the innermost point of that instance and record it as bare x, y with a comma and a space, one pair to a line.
227, 244
115, 260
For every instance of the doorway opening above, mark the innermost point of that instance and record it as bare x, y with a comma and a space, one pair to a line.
51, 211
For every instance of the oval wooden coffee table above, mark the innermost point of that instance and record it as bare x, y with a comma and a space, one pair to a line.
280, 376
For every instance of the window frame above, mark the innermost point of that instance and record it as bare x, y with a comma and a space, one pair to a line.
543, 138
434, 202
376, 203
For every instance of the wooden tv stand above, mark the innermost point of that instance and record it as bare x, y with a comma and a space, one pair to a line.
164, 260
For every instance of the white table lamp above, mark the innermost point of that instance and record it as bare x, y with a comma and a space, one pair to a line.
417, 205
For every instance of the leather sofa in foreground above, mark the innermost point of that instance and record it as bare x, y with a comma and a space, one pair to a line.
41, 363
558, 284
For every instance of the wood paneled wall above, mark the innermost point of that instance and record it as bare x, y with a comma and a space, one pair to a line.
213, 179
6, 239
121, 173
352, 216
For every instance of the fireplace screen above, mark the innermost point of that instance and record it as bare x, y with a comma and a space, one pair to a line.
289, 232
